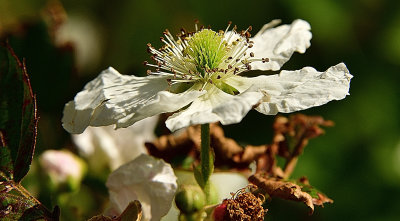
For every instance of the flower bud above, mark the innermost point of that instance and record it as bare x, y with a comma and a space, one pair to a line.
190, 198
63, 169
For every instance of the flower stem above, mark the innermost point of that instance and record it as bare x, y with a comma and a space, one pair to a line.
207, 161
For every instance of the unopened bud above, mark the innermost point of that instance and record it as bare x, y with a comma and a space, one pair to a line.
190, 198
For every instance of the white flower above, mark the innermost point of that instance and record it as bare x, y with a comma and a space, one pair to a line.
199, 76
106, 148
149, 180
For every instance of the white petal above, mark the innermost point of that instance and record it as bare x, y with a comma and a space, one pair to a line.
239, 83
162, 103
214, 106
146, 179
298, 90
112, 98
278, 44
105, 147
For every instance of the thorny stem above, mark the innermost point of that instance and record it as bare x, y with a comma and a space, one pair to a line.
207, 161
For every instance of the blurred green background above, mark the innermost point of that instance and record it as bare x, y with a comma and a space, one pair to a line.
357, 163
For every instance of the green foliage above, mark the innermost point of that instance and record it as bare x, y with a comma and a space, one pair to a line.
18, 124
18, 117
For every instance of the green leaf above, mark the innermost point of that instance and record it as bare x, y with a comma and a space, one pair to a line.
18, 124
18, 117
198, 176
17, 204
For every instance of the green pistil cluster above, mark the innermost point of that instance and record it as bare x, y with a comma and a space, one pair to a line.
202, 59
206, 50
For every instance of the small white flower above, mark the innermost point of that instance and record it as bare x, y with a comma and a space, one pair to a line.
107, 149
149, 180
199, 76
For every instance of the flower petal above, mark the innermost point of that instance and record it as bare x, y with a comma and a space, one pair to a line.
278, 44
298, 90
107, 148
149, 180
238, 82
112, 98
162, 103
214, 106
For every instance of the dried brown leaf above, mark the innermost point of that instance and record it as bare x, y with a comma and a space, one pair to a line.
291, 135
300, 192
187, 143
133, 212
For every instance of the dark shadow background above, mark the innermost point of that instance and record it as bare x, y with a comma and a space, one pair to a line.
356, 163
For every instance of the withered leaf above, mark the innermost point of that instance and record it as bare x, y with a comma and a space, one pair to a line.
133, 212
296, 191
187, 143
291, 135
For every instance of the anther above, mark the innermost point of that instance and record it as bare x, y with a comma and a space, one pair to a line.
236, 70
145, 63
148, 72
251, 54
265, 60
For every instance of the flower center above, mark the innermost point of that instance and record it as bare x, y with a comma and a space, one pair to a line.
206, 50
197, 59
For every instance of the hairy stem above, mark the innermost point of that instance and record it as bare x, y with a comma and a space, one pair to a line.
207, 161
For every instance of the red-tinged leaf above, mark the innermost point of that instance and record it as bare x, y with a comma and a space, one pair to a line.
17, 204
18, 124
18, 116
